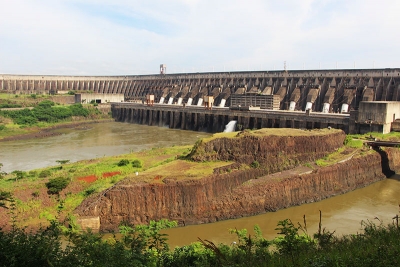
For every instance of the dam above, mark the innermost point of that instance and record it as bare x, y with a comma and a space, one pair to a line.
289, 98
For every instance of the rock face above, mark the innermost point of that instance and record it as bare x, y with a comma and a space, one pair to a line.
239, 192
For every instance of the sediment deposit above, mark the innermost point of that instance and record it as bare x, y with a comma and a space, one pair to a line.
234, 191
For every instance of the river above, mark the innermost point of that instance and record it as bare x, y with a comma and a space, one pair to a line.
342, 213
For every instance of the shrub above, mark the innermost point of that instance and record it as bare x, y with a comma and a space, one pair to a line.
54, 186
255, 164
2, 127
70, 92
19, 174
46, 103
44, 173
123, 162
136, 163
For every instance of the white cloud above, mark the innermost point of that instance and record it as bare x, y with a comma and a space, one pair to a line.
133, 37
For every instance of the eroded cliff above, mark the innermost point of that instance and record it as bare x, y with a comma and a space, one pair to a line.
235, 191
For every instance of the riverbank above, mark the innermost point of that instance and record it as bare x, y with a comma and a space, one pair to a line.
49, 130
270, 171
229, 176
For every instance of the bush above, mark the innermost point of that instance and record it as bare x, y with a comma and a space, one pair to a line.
123, 162
2, 127
44, 173
70, 92
255, 164
136, 163
54, 186
78, 110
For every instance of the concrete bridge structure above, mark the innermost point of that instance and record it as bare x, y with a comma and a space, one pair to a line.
328, 92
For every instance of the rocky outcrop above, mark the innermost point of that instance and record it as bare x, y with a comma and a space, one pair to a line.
238, 193
273, 152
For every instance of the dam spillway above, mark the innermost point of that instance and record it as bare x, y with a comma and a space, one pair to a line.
333, 97
319, 90
196, 118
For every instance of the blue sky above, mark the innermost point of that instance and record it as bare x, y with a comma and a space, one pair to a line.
122, 37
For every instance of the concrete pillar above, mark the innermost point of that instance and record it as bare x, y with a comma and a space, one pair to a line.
171, 120
150, 120
183, 120
282, 123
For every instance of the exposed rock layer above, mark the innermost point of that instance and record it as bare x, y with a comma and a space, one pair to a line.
238, 193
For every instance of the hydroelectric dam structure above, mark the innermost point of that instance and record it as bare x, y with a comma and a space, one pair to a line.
357, 101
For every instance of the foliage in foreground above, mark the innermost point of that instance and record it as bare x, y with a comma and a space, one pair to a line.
143, 245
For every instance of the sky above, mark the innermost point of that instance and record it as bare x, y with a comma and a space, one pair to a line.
132, 37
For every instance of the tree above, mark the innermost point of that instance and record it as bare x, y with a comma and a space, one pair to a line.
62, 162
19, 174
54, 186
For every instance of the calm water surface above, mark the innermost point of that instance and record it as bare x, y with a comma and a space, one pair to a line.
91, 141
342, 213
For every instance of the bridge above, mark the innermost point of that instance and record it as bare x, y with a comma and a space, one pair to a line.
383, 143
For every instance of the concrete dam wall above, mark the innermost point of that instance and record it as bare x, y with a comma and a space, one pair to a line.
197, 118
327, 91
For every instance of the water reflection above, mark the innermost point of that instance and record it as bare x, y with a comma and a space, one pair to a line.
342, 214
91, 141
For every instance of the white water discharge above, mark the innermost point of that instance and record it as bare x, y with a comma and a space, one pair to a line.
190, 100
162, 100
200, 102
345, 108
326, 107
292, 105
170, 100
230, 127
308, 105
222, 104
180, 101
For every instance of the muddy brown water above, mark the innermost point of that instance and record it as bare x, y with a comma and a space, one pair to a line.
343, 214
89, 141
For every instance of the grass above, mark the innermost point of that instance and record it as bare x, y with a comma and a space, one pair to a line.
157, 164
272, 131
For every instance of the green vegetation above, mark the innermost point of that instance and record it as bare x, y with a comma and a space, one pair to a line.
55, 185
34, 190
45, 111
255, 164
123, 162
350, 141
137, 163
38, 112
144, 245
